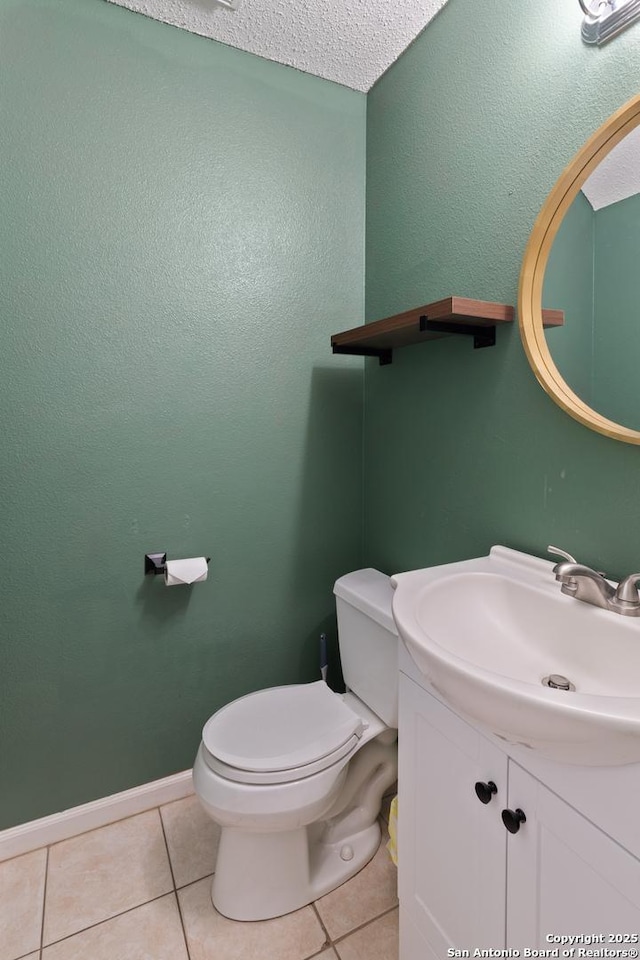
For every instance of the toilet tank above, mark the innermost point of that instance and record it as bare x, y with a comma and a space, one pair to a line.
368, 640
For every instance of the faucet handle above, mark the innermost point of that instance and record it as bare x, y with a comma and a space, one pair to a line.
561, 553
627, 589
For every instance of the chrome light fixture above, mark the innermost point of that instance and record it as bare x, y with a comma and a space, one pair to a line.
605, 19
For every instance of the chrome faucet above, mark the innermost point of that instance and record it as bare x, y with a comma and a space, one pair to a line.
590, 586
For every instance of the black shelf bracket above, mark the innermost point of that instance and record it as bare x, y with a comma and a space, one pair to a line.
385, 356
482, 336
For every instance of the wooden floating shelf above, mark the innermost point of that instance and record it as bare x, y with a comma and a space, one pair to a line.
552, 318
453, 315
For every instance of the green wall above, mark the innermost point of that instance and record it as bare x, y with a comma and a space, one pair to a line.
182, 229
616, 298
467, 133
568, 286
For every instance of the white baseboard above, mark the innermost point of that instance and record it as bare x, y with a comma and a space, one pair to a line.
88, 816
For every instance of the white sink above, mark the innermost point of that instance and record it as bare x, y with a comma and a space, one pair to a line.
487, 632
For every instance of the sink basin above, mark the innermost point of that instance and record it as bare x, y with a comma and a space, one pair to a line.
486, 633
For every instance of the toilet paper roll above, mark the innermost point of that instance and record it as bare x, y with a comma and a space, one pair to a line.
190, 570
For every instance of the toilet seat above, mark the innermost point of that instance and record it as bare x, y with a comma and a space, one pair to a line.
281, 734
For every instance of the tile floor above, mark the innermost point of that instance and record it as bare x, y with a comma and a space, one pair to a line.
139, 889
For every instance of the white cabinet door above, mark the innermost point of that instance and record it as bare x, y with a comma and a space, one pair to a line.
451, 846
565, 876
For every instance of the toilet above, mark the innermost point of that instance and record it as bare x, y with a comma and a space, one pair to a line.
295, 775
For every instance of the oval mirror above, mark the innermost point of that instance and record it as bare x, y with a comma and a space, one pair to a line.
579, 298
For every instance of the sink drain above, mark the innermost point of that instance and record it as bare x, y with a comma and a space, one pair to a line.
557, 682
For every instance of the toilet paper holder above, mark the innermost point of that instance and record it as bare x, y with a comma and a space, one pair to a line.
156, 563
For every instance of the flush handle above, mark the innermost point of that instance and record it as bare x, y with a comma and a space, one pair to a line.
485, 791
513, 818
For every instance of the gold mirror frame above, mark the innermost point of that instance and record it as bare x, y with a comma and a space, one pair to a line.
535, 262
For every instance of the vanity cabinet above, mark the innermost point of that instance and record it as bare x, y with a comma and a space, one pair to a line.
451, 847
566, 876
465, 881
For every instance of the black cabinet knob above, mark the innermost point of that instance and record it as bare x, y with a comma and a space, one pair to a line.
485, 791
513, 818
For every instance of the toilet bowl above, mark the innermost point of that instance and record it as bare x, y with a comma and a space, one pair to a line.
295, 775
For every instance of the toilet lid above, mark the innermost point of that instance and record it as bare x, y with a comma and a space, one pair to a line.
281, 728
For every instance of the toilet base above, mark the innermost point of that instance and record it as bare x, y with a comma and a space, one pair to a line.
288, 870
260, 875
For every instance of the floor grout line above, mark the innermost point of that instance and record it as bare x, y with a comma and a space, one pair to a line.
82, 833
367, 923
136, 906
327, 947
166, 847
100, 923
175, 889
329, 942
30, 954
184, 886
184, 929
44, 900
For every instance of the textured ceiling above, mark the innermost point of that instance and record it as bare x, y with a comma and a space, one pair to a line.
349, 41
